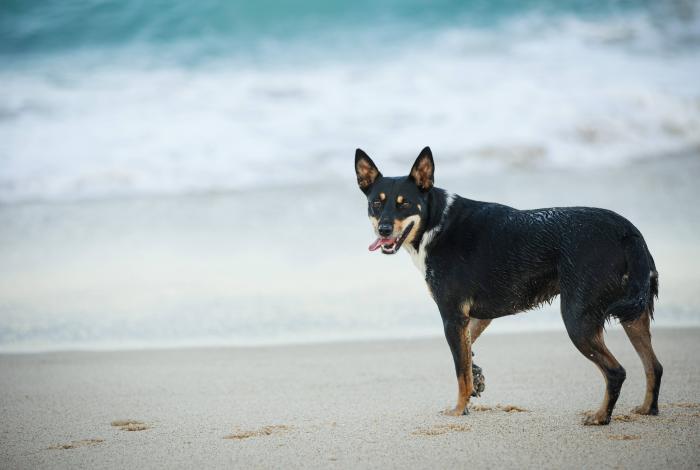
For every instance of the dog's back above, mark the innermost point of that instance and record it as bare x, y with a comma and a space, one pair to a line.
513, 260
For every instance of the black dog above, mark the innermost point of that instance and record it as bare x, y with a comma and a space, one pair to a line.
484, 260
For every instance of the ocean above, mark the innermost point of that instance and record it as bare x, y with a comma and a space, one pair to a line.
136, 139
143, 98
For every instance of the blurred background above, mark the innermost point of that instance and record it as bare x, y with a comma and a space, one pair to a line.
180, 173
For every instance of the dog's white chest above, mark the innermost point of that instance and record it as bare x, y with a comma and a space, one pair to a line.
419, 256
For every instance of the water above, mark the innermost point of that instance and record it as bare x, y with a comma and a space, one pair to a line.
179, 173
111, 99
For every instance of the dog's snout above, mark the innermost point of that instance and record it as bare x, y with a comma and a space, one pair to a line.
385, 229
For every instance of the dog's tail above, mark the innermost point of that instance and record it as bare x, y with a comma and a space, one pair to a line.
642, 282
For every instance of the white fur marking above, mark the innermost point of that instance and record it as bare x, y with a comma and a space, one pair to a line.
419, 256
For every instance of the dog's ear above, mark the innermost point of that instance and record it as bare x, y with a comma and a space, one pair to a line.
367, 172
423, 171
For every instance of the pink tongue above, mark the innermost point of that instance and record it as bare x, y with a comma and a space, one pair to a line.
379, 242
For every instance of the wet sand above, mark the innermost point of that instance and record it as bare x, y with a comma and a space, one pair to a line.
360, 404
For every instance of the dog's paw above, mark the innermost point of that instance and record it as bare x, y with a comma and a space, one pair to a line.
644, 410
596, 419
479, 381
456, 411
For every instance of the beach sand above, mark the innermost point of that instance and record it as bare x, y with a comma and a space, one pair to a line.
360, 404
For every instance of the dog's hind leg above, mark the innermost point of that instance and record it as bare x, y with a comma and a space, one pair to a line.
595, 350
640, 337
587, 336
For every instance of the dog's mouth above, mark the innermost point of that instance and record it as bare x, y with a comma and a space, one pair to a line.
391, 245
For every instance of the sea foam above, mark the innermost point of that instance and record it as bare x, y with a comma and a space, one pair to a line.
535, 90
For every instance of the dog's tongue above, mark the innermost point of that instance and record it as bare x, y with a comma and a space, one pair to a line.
379, 242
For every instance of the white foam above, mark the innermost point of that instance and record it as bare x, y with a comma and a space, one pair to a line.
566, 93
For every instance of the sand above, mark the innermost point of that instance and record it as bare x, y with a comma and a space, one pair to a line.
361, 404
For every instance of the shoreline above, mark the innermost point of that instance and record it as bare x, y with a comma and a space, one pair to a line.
166, 270
216, 344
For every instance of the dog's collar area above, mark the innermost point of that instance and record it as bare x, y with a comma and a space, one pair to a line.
390, 246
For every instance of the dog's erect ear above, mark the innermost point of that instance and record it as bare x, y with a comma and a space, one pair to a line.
423, 171
367, 172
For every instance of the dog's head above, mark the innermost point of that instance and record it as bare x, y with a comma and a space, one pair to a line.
396, 205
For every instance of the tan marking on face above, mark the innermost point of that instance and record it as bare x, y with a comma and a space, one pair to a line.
382, 196
399, 200
419, 207
375, 223
400, 226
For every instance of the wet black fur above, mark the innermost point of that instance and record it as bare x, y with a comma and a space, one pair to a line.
512, 260
507, 260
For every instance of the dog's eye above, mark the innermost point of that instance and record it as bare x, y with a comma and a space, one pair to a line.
376, 204
405, 205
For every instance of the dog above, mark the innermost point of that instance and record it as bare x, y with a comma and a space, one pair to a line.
483, 260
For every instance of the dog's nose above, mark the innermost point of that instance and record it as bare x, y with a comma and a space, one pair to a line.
385, 229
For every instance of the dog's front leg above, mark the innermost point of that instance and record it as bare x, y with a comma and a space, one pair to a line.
458, 337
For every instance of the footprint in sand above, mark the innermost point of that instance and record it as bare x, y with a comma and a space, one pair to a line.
76, 444
632, 417
626, 418
681, 405
264, 431
130, 425
624, 437
506, 408
441, 429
